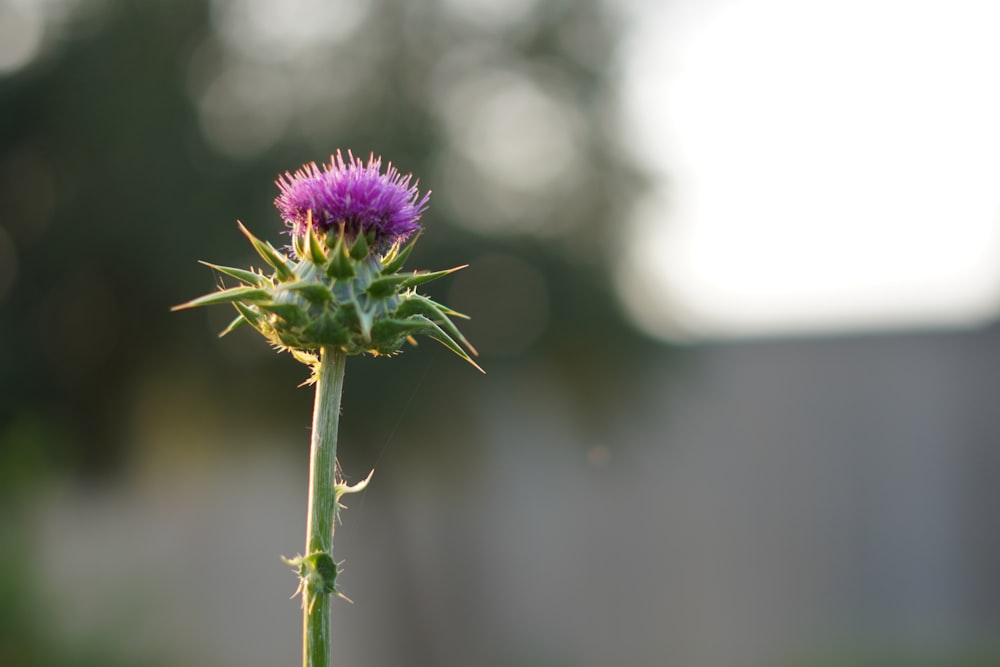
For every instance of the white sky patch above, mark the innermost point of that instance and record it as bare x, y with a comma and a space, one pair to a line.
827, 166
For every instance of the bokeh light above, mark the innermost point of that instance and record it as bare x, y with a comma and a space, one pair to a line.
833, 166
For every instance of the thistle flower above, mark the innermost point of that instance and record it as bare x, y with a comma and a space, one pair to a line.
357, 196
342, 287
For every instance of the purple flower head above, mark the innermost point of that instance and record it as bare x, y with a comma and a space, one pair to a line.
355, 194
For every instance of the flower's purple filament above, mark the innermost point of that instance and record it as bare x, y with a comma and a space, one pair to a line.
354, 194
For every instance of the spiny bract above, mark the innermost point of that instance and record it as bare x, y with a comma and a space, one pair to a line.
329, 294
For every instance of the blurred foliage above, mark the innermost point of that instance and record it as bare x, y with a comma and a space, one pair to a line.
132, 144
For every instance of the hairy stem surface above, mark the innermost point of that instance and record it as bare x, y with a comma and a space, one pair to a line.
322, 512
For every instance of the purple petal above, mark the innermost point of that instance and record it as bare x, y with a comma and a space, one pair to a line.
355, 194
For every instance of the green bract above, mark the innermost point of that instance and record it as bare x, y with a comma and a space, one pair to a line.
337, 292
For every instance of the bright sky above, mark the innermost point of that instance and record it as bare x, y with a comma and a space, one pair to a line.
831, 165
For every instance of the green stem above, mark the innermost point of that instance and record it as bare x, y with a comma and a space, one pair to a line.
322, 516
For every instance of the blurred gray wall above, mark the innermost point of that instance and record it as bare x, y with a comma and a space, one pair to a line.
747, 504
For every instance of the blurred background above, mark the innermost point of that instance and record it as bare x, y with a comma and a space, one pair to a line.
735, 271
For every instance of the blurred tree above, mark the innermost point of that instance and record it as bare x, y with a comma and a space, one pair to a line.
128, 149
